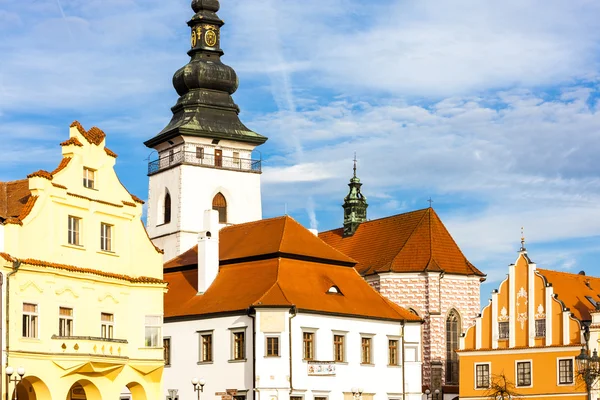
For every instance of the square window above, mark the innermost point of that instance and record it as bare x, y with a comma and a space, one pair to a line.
74, 231
339, 349
524, 373
308, 339
272, 346
152, 331
89, 178
106, 237
206, 347
393, 352
239, 345
503, 330
482, 376
366, 351
30, 320
540, 328
565, 371
167, 351
106, 325
65, 321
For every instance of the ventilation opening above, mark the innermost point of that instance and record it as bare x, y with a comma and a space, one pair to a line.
334, 290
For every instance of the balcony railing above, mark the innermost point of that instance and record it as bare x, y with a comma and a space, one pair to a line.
205, 160
88, 345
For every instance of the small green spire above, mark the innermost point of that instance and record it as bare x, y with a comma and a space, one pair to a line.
355, 205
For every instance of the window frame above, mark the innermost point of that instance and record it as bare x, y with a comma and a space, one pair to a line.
87, 182
269, 337
339, 345
308, 344
167, 350
517, 383
149, 328
65, 322
206, 347
500, 331
107, 326
537, 333
200, 153
32, 318
234, 343
219, 204
396, 351
558, 371
106, 237
476, 375
366, 350
74, 230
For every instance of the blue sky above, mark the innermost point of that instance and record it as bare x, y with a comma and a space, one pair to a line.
490, 108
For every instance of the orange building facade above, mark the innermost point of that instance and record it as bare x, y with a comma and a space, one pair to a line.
526, 339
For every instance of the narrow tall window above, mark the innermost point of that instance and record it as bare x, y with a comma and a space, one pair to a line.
452, 332
524, 373
239, 345
167, 210
89, 178
106, 237
200, 152
220, 204
65, 321
565, 371
339, 348
30, 320
236, 159
393, 352
171, 156
206, 348
482, 372
107, 323
167, 351
503, 330
366, 351
152, 331
74, 229
540, 328
309, 345
272, 346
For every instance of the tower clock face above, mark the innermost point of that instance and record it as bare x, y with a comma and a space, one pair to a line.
210, 38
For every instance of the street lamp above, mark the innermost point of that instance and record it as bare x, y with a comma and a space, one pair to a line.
172, 394
430, 395
17, 378
198, 385
588, 368
357, 393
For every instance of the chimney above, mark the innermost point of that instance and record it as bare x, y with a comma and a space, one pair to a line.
314, 232
208, 251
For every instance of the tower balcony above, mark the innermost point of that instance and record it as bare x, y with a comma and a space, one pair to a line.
204, 160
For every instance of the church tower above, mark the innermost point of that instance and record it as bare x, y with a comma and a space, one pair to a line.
205, 153
355, 206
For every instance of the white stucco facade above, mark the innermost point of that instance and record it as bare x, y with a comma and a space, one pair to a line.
192, 174
284, 376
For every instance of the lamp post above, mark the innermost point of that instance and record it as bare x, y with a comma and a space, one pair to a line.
357, 393
16, 379
588, 368
172, 394
430, 394
198, 386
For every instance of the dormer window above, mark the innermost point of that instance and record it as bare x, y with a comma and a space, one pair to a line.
89, 178
334, 290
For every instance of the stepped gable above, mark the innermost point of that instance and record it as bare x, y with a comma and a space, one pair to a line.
275, 263
573, 290
416, 241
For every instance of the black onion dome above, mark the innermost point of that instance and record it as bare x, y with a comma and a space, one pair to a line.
208, 5
205, 75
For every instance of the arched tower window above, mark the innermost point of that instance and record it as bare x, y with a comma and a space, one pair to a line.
413, 311
452, 334
220, 204
167, 210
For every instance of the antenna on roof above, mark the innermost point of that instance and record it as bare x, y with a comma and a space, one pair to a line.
285, 209
355, 164
523, 240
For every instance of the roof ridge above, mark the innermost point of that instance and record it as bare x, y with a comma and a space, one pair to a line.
410, 236
575, 275
377, 219
285, 221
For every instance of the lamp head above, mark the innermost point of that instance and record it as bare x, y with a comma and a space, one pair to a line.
427, 392
360, 390
354, 390
194, 381
21, 371
202, 382
9, 371
437, 391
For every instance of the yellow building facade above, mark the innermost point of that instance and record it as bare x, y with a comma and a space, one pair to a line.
526, 339
82, 283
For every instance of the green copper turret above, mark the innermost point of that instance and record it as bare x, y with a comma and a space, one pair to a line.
205, 85
355, 206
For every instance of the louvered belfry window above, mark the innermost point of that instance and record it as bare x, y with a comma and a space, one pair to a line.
220, 204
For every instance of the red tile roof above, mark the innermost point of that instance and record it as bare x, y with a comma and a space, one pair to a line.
94, 136
13, 198
572, 290
275, 262
416, 241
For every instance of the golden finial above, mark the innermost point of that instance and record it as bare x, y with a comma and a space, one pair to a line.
523, 239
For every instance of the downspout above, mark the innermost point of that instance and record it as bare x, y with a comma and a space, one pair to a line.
293, 313
403, 365
16, 265
1, 284
252, 314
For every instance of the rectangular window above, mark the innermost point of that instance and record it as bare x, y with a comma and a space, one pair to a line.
206, 347
482, 376
89, 178
65, 321
106, 237
107, 322
540, 328
366, 351
393, 352
74, 229
309, 345
524, 373
236, 158
565, 371
273, 346
171, 156
30, 320
339, 348
152, 331
503, 330
200, 152
411, 353
167, 351
239, 345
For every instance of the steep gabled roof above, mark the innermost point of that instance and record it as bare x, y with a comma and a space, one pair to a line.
573, 290
416, 241
275, 263
13, 198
